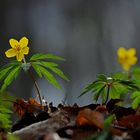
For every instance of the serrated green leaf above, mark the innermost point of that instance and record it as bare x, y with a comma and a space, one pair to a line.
47, 64
114, 93
129, 84
120, 75
52, 67
136, 102
91, 87
4, 72
135, 73
136, 99
40, 56
102, 77
49, 77
6, 69
103, 94
60, 73
135, 94
6, 103
10, 77
36, 68
5, 110
99, 92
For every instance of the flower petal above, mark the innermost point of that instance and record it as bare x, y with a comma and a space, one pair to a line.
131, 52
19, 56
23, 42
133, 60
25, 50
121, 52
13, 43
10, 53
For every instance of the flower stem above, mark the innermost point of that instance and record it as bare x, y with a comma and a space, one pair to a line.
24, 60
36, 85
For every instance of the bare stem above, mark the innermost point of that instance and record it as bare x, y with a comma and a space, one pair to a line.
36, 85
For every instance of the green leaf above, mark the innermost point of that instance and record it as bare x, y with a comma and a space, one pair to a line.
135, 70
36, 68
120, 75
52, 67
135, 94
59, 72
4, 72
10, 77
135, 73
136, 102
102, 77
49, 76
5, 110
129, 84
114, 92
92, 87
47, 64
108, 121
6, 69
103, 94
136, 99
99, 92
40, 56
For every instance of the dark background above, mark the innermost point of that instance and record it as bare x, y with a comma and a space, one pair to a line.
85, 32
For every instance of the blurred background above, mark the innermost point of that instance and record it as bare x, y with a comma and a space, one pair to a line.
85, 32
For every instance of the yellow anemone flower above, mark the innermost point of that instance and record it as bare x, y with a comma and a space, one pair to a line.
126, 57
19, 48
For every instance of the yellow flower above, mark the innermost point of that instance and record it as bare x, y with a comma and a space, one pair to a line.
126, 57
19, 48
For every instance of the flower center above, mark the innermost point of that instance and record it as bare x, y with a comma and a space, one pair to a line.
17, 48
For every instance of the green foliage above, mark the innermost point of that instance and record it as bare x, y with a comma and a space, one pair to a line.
41, 56
136, 99
5, 110
108, 121
110, 87
8, 73
44, 68
135, 73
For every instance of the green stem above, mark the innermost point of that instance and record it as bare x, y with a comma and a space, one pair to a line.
37, 87
24, 60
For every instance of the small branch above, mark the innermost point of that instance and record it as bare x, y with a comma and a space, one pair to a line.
36, 85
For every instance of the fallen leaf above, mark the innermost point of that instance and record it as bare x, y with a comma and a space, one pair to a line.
130, 121
20, 106
90, 117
